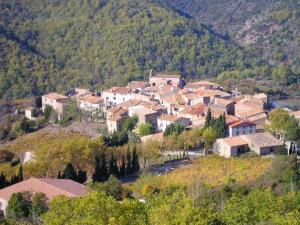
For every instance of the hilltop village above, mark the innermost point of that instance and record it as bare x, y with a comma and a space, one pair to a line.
166, 99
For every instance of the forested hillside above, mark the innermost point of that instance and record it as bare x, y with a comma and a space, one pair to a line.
271, 27
48, 45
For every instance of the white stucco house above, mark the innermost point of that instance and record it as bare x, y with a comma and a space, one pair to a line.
240, 127
165, 120
116, 95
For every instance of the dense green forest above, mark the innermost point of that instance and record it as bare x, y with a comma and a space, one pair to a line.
271, 27
53, 45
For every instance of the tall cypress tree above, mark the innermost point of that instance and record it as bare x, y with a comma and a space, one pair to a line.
81, 176
97, 173
3, 182
128, 163
103, 168
59, 175
113, 167
123, 167
20, 174
208, 118
135, 161
70, 172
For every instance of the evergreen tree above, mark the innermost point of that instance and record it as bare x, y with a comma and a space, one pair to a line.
20, 174
97, 173
59, 175
123, 167
103, 168
81, 176
208, 119
101, 173
70, 172
3, 181
14, 179
113, 167
135, 161
129, 164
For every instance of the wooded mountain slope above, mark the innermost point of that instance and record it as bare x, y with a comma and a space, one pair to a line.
271, 27
48, 45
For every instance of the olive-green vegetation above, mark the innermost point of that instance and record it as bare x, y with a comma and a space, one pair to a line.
145, 129
53, 45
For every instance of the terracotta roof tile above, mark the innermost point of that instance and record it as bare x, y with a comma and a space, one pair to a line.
50, 187
55, 96
92, 99
234, 141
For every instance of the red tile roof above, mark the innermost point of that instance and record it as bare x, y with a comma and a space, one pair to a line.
55, 96
50, 187
92, 99
240, 123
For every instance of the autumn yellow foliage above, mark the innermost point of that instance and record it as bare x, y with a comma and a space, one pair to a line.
215, 171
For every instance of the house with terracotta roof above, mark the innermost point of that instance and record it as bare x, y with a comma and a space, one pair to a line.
115, 123
117, 111
116, 95
50, 187
93, 105
263, 143
137, 85
260, 143
195, 113
201, 85
239, 127
231, 146
57, 101
165, 120
157, 79
219, 106
145, 115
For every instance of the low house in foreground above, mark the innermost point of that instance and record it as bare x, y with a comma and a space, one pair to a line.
50, 187
260, 143
263, 143
231, 146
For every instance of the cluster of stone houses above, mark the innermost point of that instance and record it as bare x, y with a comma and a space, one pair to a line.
88, 101
166, 99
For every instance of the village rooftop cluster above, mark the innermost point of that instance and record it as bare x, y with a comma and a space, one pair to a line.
166, 99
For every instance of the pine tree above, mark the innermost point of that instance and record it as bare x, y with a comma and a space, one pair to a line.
81, 176
208, 118
123, 167
113, 167
69, 172
135, 161
129, 164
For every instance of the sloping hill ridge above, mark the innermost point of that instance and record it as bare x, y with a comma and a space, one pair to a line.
48, 45
271, 27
